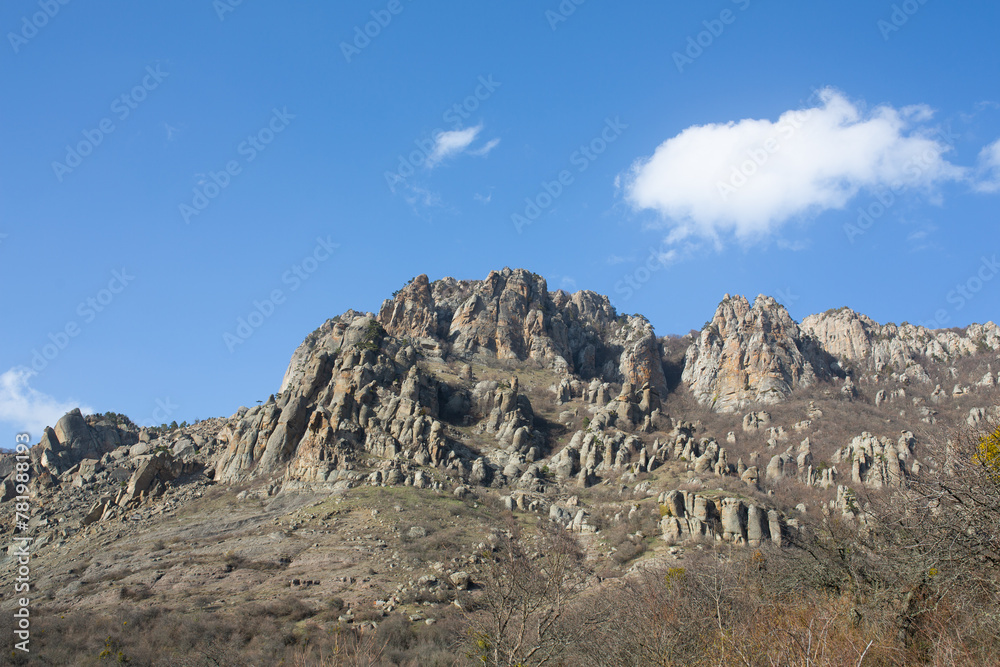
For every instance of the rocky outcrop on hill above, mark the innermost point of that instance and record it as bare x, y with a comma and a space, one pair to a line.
691, 517
590, 454
512, 315
508, 415
76, 438
603, 450
354, 399
879, 462
854, 337
344, 331
751, 355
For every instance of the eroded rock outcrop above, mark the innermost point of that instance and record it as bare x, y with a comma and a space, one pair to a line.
508, 415
76, 438
751, 354
356, 399
878, 462
512, 315
689, 516
855, 337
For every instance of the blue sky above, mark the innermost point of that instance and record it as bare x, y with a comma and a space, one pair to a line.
167, 169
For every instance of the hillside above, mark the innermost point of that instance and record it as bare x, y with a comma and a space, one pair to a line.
368, 505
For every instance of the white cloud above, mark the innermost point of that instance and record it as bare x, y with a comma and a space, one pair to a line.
750, 176
28, 409
922, 238
454, 142
989, 169
448, 144
485, 150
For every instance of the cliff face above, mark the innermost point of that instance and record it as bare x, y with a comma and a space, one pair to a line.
858, 338
353, 392
351, 395
512, 315
751, 354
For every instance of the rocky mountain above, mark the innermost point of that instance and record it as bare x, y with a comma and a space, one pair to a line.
357, 393
511, 315
902, 349
470, 397
379, 397
753, 354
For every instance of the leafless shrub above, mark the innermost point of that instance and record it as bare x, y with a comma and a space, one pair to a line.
528, 584
943, 530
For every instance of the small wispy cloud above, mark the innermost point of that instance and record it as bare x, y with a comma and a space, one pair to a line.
614, 260
922, 238
416, 196
455, 142
451, 143
28, 409
794, 246
410, 182
988, 169
485, 150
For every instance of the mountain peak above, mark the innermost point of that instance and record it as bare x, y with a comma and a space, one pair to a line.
751, 354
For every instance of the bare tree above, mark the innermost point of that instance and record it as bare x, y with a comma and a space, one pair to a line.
529, 583
941, 536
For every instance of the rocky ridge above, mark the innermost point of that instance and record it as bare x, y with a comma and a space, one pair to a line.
498, 393
752, 354
854, 337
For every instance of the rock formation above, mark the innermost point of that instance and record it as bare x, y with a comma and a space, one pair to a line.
878, 462
854, 337
691, 516
512, 315
749, 355
353, 397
